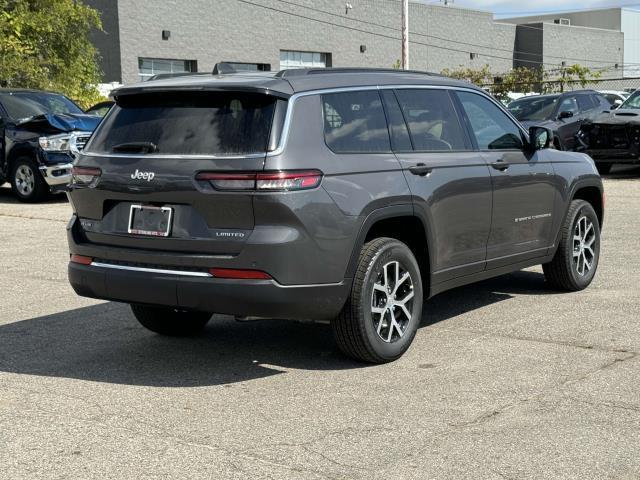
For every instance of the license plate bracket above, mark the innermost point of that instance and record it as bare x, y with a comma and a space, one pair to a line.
150, 220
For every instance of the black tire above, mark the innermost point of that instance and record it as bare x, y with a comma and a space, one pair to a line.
563, 272
604, 168
355, 328
170, 321
26, 181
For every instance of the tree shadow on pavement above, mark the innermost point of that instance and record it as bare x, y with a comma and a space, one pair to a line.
104, 343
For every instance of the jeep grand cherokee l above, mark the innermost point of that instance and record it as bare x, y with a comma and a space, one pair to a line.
341, 195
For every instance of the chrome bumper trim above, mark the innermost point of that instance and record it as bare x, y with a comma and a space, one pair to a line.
151, 270
59, 174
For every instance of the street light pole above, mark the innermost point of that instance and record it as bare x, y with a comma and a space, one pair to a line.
405, 34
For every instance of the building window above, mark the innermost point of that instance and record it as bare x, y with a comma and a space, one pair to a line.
292, 59
249, 67
148, 67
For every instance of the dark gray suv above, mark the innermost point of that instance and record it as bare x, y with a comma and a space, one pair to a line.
342, 195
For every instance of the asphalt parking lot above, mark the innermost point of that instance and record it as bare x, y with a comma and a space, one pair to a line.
505, 379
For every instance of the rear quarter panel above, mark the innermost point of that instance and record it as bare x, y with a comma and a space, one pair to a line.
356, 185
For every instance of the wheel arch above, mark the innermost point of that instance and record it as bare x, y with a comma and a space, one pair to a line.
19, 151
594, 195
401, 223
589, 190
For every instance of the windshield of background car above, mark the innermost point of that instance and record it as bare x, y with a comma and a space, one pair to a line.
23, 105
633, 101
533, 108
188, 123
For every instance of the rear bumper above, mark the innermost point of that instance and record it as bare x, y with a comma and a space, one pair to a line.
252, 298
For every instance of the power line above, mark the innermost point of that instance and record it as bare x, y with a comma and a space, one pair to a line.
511, 59
411, 32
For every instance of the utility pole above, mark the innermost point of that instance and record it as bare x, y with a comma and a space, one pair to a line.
405, 34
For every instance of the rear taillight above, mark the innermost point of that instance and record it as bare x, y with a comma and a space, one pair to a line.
229, 181
84, 175
263, 181
288, 180
233, 273
81, 259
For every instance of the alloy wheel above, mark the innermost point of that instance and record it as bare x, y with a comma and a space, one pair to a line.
25, 180
392, 302
584, 245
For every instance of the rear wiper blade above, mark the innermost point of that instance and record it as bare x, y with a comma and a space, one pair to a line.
135, 147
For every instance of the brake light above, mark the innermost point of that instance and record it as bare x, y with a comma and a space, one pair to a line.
81, 259
233, 273
263, 181
288, 180
84, 175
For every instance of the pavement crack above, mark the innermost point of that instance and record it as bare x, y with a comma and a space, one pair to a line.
329, 459
32, 217
504, 408
631, 408
605, 366
561, 343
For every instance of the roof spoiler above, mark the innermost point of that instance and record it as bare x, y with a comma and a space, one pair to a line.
223, 68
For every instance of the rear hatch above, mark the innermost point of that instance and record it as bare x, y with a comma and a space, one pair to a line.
157, 157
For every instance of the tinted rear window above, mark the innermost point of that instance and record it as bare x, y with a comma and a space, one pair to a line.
202, 123
354, 122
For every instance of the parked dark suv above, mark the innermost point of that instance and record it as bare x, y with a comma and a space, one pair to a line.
40, 133
340, 195
563, 113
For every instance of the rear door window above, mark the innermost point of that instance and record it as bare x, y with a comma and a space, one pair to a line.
433, 123
354, 122
187, 123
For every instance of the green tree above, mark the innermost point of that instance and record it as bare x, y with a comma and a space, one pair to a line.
44, 44
478, 76
519, 79
576, 74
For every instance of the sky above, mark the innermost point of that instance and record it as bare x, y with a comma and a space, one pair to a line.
518, 7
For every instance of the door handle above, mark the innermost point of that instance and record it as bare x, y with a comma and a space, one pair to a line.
420, 169
500, 165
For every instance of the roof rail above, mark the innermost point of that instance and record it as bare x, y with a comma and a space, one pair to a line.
298, 72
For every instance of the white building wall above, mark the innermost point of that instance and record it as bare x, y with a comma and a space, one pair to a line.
630, 26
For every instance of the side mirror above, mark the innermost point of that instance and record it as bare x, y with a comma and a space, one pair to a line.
539, 138
615, 105
565, 114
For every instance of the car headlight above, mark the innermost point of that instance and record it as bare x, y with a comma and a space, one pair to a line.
56, 143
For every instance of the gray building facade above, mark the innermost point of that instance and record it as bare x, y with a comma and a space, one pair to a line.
618, 52
144, 37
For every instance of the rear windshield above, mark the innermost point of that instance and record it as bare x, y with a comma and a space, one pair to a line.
199, 123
